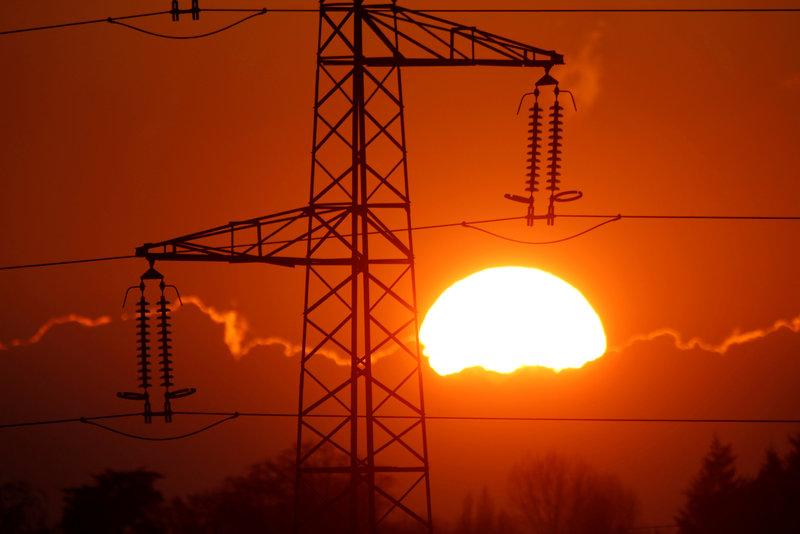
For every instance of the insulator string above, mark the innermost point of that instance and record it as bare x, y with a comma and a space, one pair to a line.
534, 151
554, 155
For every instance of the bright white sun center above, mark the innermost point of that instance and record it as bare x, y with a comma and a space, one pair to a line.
505, 318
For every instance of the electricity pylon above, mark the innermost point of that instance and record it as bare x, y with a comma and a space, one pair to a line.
362, 456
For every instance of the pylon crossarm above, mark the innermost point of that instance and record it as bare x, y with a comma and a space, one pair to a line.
277, 239
403, 37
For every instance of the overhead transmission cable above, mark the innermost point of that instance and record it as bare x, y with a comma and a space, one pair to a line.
185, 37
66, 262
550, 242
120, 21
225, 419
471, 224
261, 11
228, 416
620, 10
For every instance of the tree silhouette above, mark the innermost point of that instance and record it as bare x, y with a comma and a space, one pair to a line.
772, 498
719, 501
481, 517
713, 495
21, 508
116, 502
792, 488
557, 495
260, 500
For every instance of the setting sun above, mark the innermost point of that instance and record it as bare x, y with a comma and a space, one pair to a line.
505, 318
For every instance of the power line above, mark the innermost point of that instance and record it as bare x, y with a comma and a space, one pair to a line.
82, 23
186, 37
551, 242
646, 10
689, 217
698, 10
225, 419
119, 21
226, 416
46, 422
66, 262
471, 224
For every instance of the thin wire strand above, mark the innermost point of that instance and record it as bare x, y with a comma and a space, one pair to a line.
92, 422
228, 416
470, 224
186, 37
699, 10
566, 216
82, 23
66, 262
68, 420
551, 242
653, 10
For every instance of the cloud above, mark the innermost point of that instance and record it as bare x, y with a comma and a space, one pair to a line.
735, 338
71, 318
240, 342
581, 73
236, 330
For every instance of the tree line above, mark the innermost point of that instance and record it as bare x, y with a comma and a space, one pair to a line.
549, 494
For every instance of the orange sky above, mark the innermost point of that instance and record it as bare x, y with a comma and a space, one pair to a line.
110, 139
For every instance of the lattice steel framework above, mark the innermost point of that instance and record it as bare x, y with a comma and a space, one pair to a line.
362, 460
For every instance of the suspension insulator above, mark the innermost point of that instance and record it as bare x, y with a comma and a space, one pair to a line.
143, 354
195, 10
554, 156
534, 146
534, 151
165, 342
143, 338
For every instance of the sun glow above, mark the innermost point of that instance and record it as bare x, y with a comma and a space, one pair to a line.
505, 318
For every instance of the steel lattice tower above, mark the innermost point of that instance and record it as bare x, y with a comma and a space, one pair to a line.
359, 164
362, 460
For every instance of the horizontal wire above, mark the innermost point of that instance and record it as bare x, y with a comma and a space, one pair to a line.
551, 242
82, 23
118, 20
621, 10
611, 218
66, 262
687, 217
470, 224
68, 420
187, 37
91, 422
531, 419
503, 418
698, 10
